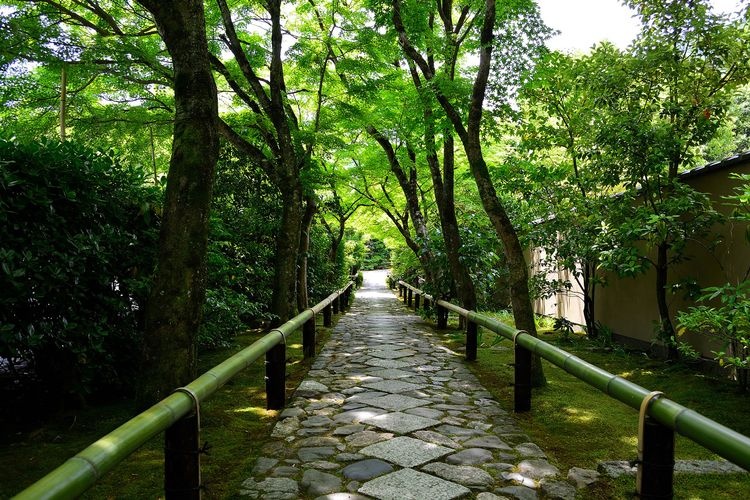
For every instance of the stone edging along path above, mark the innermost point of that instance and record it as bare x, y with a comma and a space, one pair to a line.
387, 413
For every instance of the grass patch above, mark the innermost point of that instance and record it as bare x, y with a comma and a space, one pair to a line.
578, 426
234, 421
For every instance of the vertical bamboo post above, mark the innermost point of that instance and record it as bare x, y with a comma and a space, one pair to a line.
522, 380
276, 377
308, 338
327, 316
182, 466
416, 301
471, 340
654, 479
409, 297
336, 303
442, 317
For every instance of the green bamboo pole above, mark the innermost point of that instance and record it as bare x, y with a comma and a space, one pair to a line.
712, 435
81, 471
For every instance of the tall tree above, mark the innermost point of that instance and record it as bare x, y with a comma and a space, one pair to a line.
174, 308
468, 129
565, 185
684, 65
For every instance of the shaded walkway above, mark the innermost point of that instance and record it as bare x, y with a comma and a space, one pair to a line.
387, 413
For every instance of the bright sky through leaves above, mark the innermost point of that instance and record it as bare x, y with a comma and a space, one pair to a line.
583, 23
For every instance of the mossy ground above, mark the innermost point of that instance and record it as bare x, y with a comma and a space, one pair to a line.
235, 424
578, 426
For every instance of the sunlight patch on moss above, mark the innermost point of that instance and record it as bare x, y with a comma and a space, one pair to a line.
579, 415
256, 410
629, 440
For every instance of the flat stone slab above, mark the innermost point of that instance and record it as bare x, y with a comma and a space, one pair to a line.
582, 477
367, 469
315, 453
271, 487
558, 490
391, 373
397, 402
454, 430
394, 386
537, 469
473, 477
470, 456
406, 451
366, 438
426, 412
519, 492
356, 416
320, 483
387, 363
436, 438
401, 423
391, 354
408, 484
310, 388
346, 430
492, 442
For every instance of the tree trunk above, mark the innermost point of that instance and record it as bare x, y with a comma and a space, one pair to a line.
523, 312
449, 224
311, 207
470, 138
589, 299
666, 329
173, 313
284, 298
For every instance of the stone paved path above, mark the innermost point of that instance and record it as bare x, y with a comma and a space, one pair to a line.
387, 413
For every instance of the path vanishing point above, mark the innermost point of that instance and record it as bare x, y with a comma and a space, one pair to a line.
386, 412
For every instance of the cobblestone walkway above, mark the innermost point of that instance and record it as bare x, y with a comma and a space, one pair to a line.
388, 413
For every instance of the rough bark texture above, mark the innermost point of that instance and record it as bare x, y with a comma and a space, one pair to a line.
174, 309
589, 299
443, 187
284, 298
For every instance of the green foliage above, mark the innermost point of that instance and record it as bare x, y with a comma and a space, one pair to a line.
676, 219
377, 255
564, 326
729, 322
405, 266
78, 235
325, 275
245, 221
245, 218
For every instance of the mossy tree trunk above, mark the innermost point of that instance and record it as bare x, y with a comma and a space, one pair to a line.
173, 313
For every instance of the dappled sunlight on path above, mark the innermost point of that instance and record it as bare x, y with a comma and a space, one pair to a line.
387, 413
